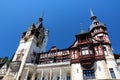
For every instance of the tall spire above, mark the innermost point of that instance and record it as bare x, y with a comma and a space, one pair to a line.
93, 17
91, 12
41, 17
39, 24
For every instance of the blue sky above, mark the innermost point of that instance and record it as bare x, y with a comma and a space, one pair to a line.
61, 17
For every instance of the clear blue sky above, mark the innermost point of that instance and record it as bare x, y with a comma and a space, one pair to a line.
61, 17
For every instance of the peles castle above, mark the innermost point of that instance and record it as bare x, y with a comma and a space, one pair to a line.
89, 57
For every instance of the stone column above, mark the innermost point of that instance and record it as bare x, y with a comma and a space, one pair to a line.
26, 76
50, 74
34, 75
76, 72
41, 75
60, 74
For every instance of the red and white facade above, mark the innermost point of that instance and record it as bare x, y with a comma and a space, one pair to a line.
89, 57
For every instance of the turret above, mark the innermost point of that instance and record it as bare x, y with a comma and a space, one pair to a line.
31, 43
99, 35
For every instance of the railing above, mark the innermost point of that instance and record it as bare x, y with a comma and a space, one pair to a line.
54, 57
49, 60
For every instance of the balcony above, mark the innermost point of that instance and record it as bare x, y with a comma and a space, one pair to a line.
87, 61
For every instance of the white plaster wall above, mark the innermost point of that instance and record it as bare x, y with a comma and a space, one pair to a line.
30, 45
24, 60
22, 46
76, 72
101, 70
34, 48
112, 64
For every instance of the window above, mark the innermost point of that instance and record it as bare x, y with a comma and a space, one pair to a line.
105, 50
43, 78
112, 73
68, 78
83, 38
91, 52
85, 51
74, 55
51, 60
89, 74
58, 78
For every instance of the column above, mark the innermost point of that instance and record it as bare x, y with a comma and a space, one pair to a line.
26, 76
50, 74
34, 75
60, 74
41, 75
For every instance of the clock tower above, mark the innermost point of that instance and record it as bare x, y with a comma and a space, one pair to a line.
31, 42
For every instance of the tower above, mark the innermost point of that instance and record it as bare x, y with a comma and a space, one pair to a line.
100, 39
102, 46
31, 42
91, 54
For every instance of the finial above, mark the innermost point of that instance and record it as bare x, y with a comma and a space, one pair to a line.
91, 12
81, 26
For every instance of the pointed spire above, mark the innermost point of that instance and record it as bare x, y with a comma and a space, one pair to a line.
41, 17
93, 17
91, 12
39, 24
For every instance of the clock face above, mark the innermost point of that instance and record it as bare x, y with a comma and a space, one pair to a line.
28, 33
